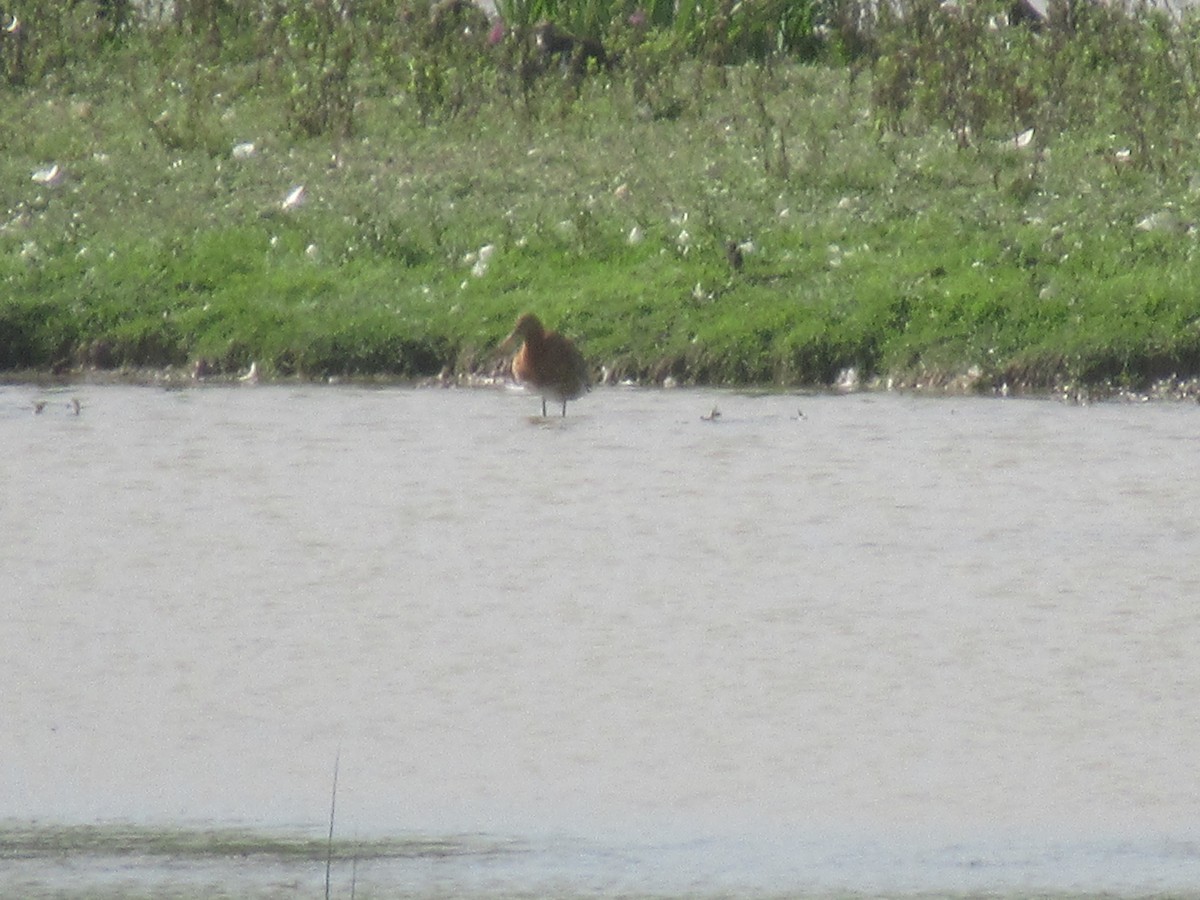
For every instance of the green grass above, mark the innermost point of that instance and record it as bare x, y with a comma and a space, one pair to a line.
894, 230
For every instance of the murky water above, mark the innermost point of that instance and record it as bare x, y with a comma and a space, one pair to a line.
871, 643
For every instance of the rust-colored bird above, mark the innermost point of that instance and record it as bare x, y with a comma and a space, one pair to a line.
547, 362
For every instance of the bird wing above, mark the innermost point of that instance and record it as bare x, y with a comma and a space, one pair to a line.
579, 364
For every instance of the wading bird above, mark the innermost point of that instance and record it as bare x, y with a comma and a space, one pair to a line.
547, 362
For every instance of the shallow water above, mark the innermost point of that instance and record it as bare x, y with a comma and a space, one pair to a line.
869, 643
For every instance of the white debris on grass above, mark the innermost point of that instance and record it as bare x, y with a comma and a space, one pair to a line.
295, 198
479, 260
49, 176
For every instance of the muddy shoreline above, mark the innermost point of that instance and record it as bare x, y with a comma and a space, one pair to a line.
849, 382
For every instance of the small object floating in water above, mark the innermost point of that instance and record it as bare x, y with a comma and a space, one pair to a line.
250, 377
712, 416
547, 362
75, 405
39, 406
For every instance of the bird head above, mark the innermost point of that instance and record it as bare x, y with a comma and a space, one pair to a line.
528, 325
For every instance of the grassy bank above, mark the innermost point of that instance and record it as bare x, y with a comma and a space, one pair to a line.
887, 226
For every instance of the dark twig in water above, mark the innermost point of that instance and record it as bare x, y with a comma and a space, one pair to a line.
332, 808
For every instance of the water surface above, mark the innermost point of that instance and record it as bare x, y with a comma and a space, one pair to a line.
875, 643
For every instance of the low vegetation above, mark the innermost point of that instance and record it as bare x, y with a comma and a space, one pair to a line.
761, 193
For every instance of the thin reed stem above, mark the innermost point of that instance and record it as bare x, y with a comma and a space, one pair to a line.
332, 810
